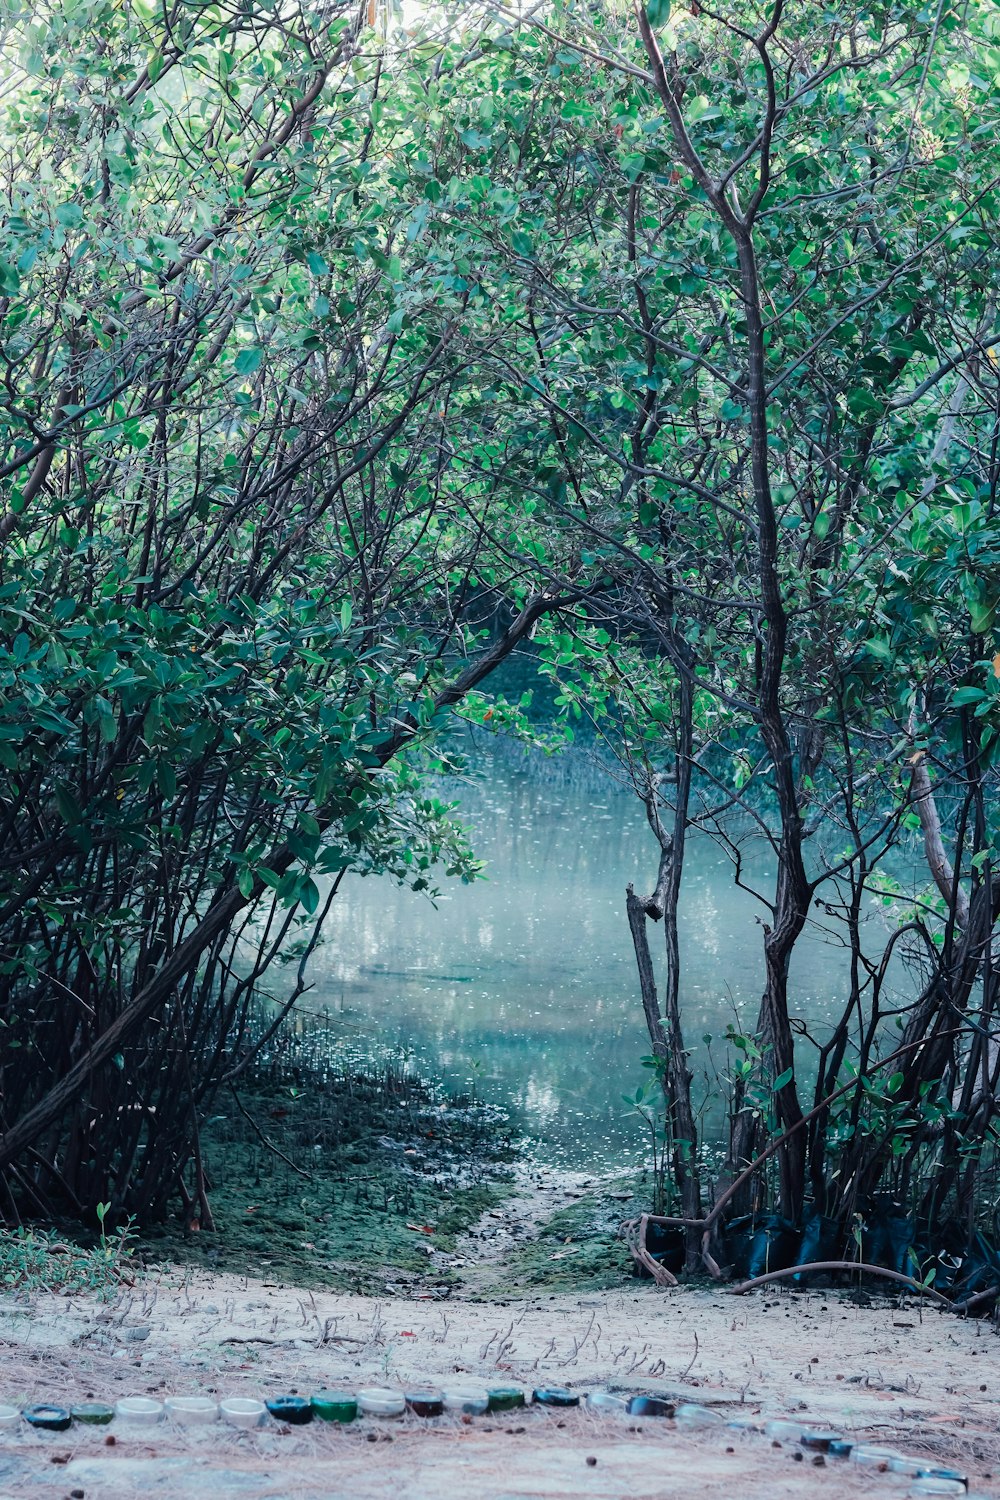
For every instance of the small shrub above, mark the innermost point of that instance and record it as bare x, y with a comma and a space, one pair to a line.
37, 1260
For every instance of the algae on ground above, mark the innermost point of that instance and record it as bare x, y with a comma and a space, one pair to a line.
346, 1182
579, 1248
369, 1180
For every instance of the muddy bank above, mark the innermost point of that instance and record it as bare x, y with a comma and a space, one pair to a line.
372, 1180
356, 1181
556, 1231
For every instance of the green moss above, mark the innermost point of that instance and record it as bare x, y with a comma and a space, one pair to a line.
579, 1248
370, 1183
386, 1160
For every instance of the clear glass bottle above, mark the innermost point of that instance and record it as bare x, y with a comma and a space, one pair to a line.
379, 1401
690, 1414
784, 1431
243, 1411
191, 1411
471, 1400
871, 1457
607, 1401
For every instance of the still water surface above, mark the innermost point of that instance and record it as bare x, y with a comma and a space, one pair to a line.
522, 986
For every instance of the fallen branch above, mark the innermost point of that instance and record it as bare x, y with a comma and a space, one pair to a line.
842, 1265
293, 1343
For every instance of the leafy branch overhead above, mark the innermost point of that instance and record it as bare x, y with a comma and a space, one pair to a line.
340, 362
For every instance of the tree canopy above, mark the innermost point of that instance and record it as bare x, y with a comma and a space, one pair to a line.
340, 359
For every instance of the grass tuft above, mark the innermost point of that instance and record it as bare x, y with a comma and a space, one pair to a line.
33, 1260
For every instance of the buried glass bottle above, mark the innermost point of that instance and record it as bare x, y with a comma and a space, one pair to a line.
93, 1413
650, 1406
505, 1397
690, 1414
334, 1406
295, 1410
48, 1418
425, 1403
555, 1395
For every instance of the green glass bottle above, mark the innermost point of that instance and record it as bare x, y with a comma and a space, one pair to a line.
505, 1398
93, 1413
334, 1406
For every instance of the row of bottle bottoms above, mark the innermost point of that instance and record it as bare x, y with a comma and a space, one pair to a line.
475, 1400
328, 1406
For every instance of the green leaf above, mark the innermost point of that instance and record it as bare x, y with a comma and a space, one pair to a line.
69, 808
166, 779
782, 1079
106, 721
576, 109
658, 12
982, 613
248, 360
309, 895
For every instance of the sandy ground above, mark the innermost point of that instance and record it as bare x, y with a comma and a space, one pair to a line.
913, 1377
900, 1373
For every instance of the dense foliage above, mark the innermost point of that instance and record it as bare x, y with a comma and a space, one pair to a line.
331, 349
756, 268
237, 566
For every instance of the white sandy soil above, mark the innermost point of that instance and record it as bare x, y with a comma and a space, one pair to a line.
913, 1377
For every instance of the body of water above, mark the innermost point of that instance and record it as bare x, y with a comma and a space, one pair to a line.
522, 986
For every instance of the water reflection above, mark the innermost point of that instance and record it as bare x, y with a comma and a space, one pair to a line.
523, 985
